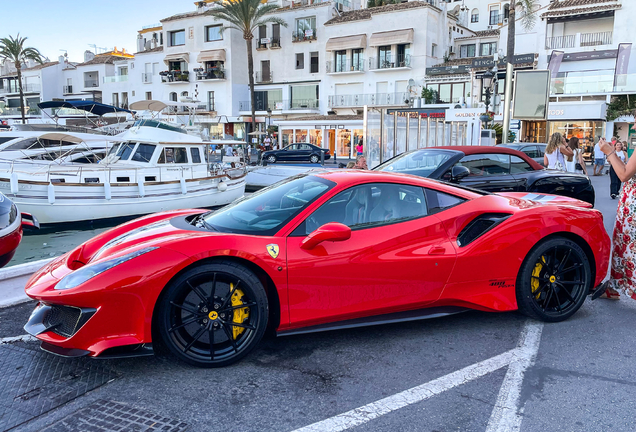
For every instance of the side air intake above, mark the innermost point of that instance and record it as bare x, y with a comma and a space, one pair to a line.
480, 226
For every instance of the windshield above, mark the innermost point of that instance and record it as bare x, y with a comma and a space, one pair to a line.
268, 210
420, 163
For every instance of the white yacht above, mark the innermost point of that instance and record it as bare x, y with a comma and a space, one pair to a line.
151, 167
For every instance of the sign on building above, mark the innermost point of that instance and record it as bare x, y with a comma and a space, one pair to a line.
532, 91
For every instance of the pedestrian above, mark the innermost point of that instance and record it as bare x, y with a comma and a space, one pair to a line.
576, 163
615, 182
361, 163
599, 157
360, 148
268, 143
555, 152
228, 150
623, 271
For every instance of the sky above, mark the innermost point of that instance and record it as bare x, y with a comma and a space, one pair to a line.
71, 25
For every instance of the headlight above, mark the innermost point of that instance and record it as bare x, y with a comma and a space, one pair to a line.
90, 271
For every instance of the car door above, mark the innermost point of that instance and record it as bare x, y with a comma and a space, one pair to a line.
288, 153
304, 152
398, 257
521, 170
489, 172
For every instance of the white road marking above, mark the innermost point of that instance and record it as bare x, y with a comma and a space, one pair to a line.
23, 338
507, 415
521, 357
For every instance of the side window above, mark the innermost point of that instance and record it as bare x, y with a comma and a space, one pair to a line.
305, 147
370, 205
541, 150
486, 164
531, 151
125, 150
292, 147
439, 201
196, 156
518, 165
144, 153
176, 155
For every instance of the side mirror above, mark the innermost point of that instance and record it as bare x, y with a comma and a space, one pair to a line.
29, 221
458, 173
333, 231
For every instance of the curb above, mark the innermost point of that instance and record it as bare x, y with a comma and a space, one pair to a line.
12, 291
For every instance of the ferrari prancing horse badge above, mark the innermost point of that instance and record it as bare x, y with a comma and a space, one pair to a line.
273, 250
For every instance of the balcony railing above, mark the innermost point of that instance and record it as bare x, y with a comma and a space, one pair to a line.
371, 99
31, 88
390, 62
558, 42
67, 89
264, 76
175, 76
212, 74
115, 78
595, 39
278, 105
91, 83
345, 66
10, 89
146, 78
299, 104
273, 43
302, 36
273, 105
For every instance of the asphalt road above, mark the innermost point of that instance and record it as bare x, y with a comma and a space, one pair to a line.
577, 376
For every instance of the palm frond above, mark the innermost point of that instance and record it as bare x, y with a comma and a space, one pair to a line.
527, 10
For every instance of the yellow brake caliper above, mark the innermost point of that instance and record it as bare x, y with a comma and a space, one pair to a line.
535, 277
240, 315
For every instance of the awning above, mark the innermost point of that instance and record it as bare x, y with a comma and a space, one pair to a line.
90, 106
347, 42
177, 57
391, 37
211, 55
148, 105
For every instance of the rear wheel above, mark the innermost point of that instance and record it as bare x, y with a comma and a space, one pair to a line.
554, 280
271, 159
314, 159
213, 315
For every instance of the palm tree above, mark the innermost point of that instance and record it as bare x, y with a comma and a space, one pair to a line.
14, 51
528, 11
245, 16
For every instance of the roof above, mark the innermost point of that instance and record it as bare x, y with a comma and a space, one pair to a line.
41, 66
571, 3
103, 59
184, 15
151, 50
365, 14
481, 34
471, 150
568, 7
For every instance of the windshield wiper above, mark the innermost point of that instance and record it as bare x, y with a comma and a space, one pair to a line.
200, 222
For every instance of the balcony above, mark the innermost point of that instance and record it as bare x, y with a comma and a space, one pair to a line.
304, 36
9, 90
390, 62
277, 105
579, 40
31, 88
91, 83
146, 78
264, 43
175, 77
210, 74
348, 66
115, 78
371, 99
264, 77
274, 105
304, 104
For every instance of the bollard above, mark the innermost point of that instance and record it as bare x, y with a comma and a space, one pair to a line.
322, 158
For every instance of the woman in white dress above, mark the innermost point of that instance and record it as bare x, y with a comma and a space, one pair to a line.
576, 163
555, 152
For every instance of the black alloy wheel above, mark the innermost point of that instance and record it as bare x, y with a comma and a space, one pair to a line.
554, 280
271, 159
213, 315
314, 159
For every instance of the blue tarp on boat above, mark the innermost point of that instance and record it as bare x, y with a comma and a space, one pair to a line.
91, 106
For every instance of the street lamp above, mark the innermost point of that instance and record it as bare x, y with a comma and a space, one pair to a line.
487, 79
269, 118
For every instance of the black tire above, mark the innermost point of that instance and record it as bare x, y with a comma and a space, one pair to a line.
554, 280
202, 304
271, 159
314, 159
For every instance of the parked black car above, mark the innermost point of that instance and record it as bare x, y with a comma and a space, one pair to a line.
297, 152
533, 150
493, 169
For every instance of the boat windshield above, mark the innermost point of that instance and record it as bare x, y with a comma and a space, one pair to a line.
268, 210
160, 125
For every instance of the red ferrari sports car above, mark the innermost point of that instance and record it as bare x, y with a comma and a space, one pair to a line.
319, 251
11, 224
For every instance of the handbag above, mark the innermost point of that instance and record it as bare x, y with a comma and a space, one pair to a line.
578, 165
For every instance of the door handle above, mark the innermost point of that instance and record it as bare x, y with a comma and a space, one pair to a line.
437, 250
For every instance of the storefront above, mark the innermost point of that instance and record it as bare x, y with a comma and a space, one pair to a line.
339, 134
584, 120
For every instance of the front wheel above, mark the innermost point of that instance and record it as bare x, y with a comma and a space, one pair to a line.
314, 159
554, 280
271, 159
213, 315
